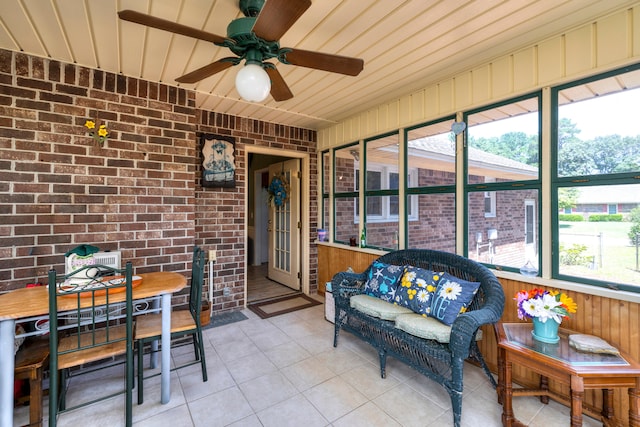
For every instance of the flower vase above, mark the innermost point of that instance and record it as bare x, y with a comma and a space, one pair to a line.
545, 331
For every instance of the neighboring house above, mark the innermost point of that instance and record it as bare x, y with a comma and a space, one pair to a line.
611, 200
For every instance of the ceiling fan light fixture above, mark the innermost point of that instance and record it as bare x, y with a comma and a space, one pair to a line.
253, 83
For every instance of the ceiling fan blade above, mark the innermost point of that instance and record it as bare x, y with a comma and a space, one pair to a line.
173, 27
325, 61
277, 16
204, 72
279, 89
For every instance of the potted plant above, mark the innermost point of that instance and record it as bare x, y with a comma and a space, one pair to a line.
546, 309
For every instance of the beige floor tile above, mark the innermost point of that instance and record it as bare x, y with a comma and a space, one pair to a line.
174, 417
409, 408
250, 421
238, 345
335, 398
367, 415
249, 367
307, 373
218, 378
220, 409
269, 338
294, 412
267, 390
366, 378
287, 354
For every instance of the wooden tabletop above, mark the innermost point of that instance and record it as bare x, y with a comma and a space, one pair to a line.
27, 302
561, 359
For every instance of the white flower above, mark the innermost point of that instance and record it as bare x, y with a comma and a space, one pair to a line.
532, 307
423, 295
542, 308
451, 291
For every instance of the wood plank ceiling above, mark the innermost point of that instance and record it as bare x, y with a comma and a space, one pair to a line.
405, 44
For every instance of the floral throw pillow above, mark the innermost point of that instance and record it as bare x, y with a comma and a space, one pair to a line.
451, 298
383, 280
416, 289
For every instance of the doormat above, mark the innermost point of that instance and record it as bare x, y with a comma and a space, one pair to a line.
225, 319
282, 305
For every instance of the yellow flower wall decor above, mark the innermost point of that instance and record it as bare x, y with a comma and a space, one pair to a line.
100, 134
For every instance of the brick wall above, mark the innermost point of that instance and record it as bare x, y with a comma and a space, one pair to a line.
59, 189
220, 212
139, 193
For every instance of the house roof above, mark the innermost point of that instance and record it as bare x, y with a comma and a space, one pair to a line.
481, 163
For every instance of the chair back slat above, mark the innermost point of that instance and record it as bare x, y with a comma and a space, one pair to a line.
197, 279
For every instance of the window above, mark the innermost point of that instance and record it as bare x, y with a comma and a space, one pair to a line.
345, 175
502, 183
380, 208
431, 160
489, 204
597, 160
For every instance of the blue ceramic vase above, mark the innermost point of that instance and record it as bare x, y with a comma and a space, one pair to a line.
545, 331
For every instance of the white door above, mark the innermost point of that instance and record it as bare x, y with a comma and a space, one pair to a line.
284, 227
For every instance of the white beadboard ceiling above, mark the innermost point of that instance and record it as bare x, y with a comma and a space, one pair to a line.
405, 45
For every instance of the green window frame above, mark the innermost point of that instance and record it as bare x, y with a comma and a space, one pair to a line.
502, 183
593, 170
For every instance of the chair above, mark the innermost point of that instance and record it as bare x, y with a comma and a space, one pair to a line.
90, 321
184, 323
30, 361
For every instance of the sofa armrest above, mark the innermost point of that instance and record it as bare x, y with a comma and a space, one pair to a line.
345, 284
465, 326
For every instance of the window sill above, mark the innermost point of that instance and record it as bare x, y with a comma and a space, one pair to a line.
570, 286
352, 248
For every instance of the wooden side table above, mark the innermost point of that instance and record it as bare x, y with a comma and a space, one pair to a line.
561, 362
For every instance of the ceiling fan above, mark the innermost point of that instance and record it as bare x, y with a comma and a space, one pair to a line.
255, 39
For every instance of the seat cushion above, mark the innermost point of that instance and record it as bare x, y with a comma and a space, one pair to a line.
376, 307
426, 327
382, 280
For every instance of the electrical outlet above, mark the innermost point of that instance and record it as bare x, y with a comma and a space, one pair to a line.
226, 291
212, 255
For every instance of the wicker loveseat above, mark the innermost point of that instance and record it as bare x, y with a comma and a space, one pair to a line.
442, 362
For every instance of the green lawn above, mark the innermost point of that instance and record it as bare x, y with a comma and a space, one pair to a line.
613, 251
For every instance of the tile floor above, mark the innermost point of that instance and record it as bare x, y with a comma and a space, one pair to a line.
284, 371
